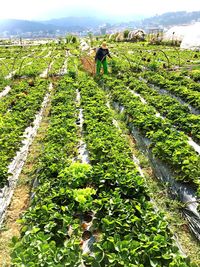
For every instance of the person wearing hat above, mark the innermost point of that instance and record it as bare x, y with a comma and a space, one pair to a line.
100, 58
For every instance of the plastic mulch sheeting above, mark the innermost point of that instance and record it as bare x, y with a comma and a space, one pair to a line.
183, 192
16, 165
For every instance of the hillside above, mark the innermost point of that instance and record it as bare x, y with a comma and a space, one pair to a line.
73, 22
14, 26
62, 25
173, 18
82, 24
164, 20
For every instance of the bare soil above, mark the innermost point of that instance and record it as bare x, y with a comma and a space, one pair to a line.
12, 228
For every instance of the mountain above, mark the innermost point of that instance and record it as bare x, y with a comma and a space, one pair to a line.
84, 22
165, 20
53, 26
173, 18
25, 28
14, 26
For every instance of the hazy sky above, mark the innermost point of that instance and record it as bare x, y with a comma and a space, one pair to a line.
45, 9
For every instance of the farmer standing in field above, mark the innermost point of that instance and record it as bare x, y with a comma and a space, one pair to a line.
100, 58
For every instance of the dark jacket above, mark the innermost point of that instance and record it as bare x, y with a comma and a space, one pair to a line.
101, 54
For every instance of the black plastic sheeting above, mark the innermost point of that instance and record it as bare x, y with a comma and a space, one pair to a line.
183, 192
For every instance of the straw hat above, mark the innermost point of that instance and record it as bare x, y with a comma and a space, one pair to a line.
104, 45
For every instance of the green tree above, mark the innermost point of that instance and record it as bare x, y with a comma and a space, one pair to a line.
126, 32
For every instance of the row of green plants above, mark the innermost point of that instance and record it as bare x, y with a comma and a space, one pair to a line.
195, 75
37, 66
128, 237
32, 61
3, 83
184, 92
10, 51
127, 230
53, 62
190, 79
45, 239
6, 67
19, 90
19, 115
177, 84
13, 58
167, 143
58, 63
178, 114
154, 57
21, 61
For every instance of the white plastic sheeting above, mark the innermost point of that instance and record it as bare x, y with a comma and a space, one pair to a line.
16, 165
84, 46
194, 145
48, 55
188, 34
190, 141
64, 67
5, 91
138, 34
176, 33
191, 39
82, 148
46, 71
9, 76
138, 95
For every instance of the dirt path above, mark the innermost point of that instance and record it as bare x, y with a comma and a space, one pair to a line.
18, 205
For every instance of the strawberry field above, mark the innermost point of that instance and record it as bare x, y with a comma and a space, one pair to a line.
90, 202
